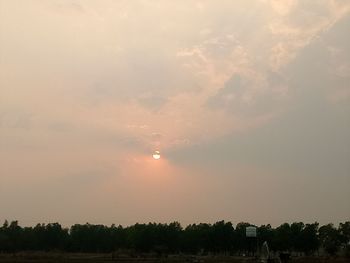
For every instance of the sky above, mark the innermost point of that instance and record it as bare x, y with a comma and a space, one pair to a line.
247, 101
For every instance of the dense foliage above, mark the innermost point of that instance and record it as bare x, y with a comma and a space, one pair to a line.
220, 237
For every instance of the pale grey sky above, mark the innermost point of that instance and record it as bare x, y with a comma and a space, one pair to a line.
247, 101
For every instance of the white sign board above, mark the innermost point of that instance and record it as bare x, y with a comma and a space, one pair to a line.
250, 231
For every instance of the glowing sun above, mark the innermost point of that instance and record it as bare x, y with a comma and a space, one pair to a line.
156, 155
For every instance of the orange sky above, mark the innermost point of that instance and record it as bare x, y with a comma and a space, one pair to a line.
247, 101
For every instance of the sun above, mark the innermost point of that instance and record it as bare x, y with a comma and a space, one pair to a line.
156, 155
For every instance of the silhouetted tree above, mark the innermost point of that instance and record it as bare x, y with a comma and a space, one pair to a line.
283, 238
220, 237
309, 239
265, 233
241, 243
330, 238
297, 241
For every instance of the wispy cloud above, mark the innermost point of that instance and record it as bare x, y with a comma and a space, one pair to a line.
92, 84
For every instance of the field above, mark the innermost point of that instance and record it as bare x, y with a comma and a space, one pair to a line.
105, 258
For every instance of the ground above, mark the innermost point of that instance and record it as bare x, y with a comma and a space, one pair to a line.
104, 258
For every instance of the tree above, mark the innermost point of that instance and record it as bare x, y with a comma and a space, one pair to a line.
283, 238
4, 239
13, 232
297, 241
265, 233
221, 236
197, 238
240, 242
344, 231
330, 239
309, 239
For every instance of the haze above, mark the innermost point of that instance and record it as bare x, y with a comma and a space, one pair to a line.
247, 101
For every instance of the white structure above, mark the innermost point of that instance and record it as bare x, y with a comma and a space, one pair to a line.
250, 231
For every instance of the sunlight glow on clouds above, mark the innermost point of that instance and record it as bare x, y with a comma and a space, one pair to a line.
89, 86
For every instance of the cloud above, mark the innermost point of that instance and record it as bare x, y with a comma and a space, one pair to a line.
283, 7
152, 102
70, 7
310, 136
247, 98
15, 119
121, 75
255, 88
231, 94
298, 24
113, 71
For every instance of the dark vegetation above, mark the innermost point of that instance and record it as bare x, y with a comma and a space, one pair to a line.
219, 238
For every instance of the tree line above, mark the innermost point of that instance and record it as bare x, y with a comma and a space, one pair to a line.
220, 237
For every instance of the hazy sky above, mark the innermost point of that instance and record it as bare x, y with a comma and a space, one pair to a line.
248, 102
